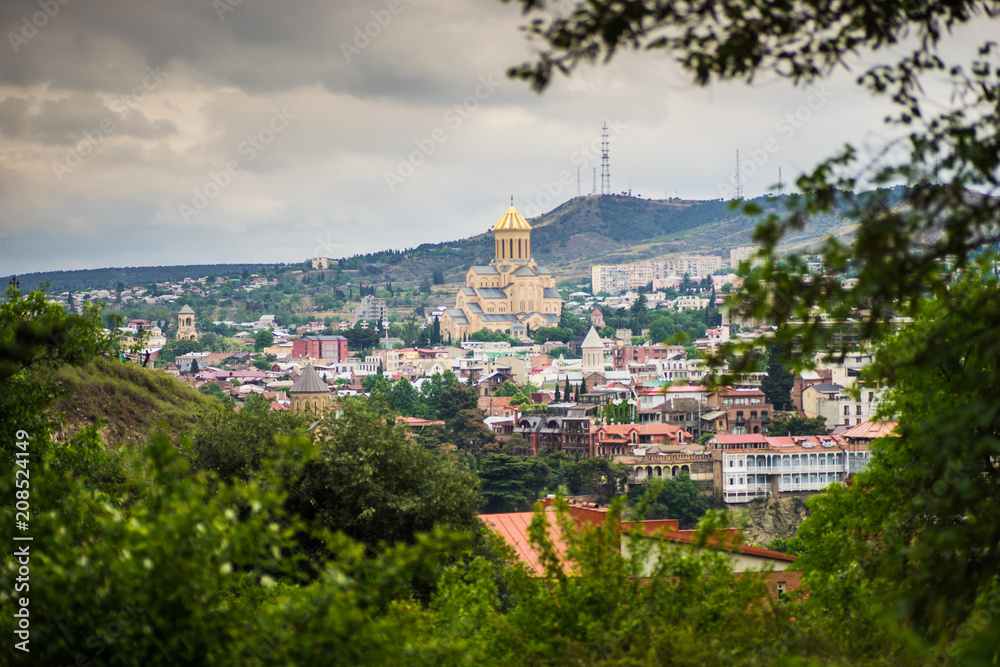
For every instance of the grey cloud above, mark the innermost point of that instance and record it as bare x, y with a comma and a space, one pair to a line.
64, 121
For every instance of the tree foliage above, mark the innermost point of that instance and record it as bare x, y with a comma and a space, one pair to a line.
796, 425
673, 498
388, 488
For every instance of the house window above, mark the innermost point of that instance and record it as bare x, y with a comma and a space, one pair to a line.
847, 410
858, 411
781, 590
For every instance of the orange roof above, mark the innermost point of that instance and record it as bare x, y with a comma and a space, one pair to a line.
494, 401
870, 431
513, 528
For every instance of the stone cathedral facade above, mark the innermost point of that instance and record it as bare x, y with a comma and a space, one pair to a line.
510, 294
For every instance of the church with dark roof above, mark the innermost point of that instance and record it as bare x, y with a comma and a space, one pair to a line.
511, 294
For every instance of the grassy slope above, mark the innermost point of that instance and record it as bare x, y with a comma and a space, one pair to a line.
131, 401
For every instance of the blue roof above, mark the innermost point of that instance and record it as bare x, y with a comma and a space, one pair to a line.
491, 317
474, 307
542, 270
485, 269
551, 293
468, 291
525, 271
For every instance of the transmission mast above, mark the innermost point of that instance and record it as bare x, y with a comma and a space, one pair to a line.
594, 191
605, 166
781, 184
738, 180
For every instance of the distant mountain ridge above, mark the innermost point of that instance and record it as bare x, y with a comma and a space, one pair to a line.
594, 229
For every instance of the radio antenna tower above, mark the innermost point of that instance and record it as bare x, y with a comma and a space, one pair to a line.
738, 181
781, 185
605, 166
594, 191
577, 181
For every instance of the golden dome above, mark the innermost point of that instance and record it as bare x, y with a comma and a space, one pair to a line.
512, 220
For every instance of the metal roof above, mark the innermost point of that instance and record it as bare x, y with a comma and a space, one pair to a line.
492, 293
309, 383
512, 221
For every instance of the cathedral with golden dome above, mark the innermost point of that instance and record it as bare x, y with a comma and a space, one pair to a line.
511, 294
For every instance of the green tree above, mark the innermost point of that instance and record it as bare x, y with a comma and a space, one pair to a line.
545, 334
176, 348
673, 498
468, 432
263, 338
795, 425
404, 398
235, 445
454, 398
387, 487
777, 384
508, 388
504, 481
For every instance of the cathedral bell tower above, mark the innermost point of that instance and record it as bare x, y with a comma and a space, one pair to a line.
512, 236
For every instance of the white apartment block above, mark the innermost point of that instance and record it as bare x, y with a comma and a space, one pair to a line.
615, 279
737, 255
373, 310
755, 466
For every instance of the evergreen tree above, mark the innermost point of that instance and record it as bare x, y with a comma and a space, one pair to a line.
777, 384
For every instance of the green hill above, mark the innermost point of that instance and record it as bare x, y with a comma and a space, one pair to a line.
130, 401
611, 229
596, 229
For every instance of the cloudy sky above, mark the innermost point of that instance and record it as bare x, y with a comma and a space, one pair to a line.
192, 131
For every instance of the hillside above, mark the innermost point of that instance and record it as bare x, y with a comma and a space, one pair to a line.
614, 229
132, 402
571, 238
